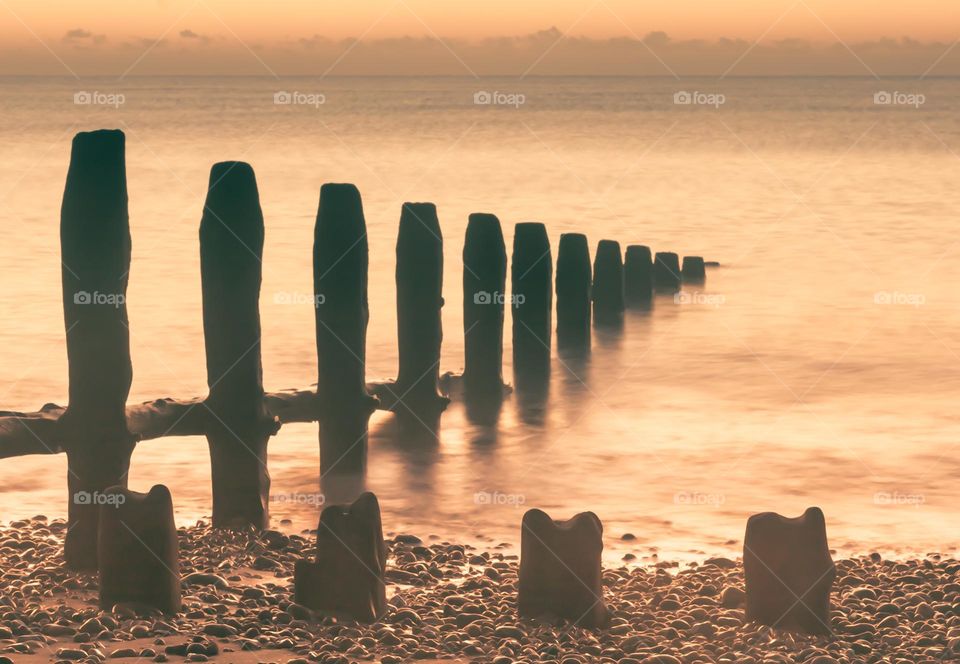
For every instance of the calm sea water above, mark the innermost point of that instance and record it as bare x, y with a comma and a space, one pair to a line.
818, 365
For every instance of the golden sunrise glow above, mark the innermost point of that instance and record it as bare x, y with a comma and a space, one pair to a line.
294, 19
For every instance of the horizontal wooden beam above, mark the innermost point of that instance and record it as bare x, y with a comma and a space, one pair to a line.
38, 433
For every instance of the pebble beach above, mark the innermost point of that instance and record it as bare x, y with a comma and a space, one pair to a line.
455, 603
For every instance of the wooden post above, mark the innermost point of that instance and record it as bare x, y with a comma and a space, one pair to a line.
419, 300
608, 301
694, 270
666, 272
95, 251
638, 275
238, 425
484, 286
531, 274
340, 259
573, 292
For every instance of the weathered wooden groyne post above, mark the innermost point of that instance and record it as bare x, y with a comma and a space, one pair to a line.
340, 261
531, 275
694, 270
95, 258
484, 286
666, 272
419, 300
237, 425
608, 302
574, 277
638, 275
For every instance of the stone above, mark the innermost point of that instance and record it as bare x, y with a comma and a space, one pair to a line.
560, 568
137, 549
347, 580
788, 571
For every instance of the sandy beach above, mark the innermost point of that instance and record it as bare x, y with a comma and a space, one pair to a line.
456, 603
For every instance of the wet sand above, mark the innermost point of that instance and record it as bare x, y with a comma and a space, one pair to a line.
456, 603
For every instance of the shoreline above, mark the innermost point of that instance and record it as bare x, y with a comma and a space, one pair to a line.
457, 603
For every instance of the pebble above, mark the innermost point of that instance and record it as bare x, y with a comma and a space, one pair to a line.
451, 601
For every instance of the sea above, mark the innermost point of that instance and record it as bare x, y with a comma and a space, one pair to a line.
817, 365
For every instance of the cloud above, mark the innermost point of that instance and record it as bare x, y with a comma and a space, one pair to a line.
190, 34
81, 36
545, 52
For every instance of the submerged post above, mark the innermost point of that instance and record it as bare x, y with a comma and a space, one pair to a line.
484, 285
340, 260
638, 275
237, 423
419, 299
573, 292
531, 274
608, 301
666, 272
95, 257
694, 270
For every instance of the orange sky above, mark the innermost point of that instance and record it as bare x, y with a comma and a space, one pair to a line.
683, 19
754, 37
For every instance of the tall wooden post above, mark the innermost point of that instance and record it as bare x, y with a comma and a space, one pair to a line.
340, 261
666, 272
95, 251
638, 275
419, 300
573, 292
237, 423
694, 270
608, 301
531, 274
484, 288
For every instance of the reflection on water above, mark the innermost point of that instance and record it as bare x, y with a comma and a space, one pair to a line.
817, 365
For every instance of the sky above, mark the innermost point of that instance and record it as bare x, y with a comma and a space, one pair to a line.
510, 37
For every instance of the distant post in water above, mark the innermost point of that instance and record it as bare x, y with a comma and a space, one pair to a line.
608, 302
484, 285
638, 275
95, 257
419, 300
340, 261
237, 423
531, 274
694, 270
666, 272
573, 292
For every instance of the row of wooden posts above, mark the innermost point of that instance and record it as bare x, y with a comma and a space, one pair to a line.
98, 430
